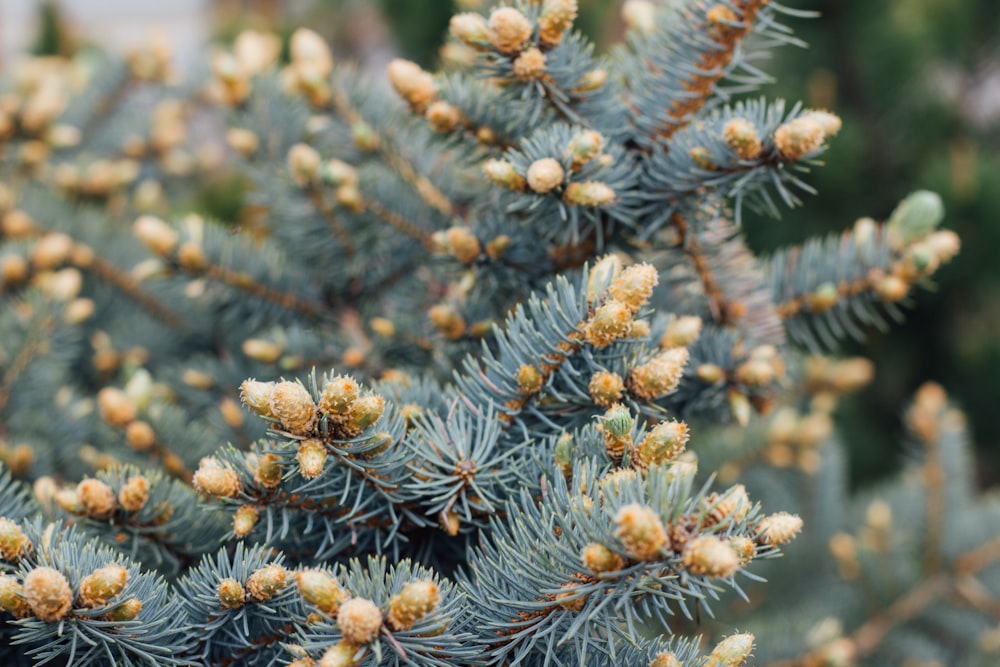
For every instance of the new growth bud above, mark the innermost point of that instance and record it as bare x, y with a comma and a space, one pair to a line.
416, 600
267, 582
509, 30
48, 593
321, 590
641, 532
98, 588
359, 620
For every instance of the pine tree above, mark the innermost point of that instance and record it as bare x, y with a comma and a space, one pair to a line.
484, 373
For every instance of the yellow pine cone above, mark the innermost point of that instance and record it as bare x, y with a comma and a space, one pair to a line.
731, 651
96, 498
634, 286
662, 444
48, 593
545, 175
555, 19
590, 193
447, 320
134, 494
140, 436
126, 611
12, 597
293, 406
733, 505
311, 457
230, 593
267, 582
359, 620
641, 532
321, 590
799, 137
779, 528
116, 408
101, 585
155, 234
681, 332
13, 542
463, 244
598, 559
213, 480
606, 388
503, 173
741, 136
666, 659
470, 29
364, 412
244, 520
337, 397
413, 83
830, 122
530, 65
257, 396
708, 555
660, 376
584, 147
529, 380
416, 600
340, 654
268, 471
611, 321
509, 29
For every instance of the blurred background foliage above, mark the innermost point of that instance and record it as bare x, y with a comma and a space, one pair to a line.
917, 83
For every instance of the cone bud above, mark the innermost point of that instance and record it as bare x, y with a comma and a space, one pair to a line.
584, 147
741, 136
102, 584
634, 286
591, 194
96, 498
447, 321
359, 620
891, 289
311, 457
13, 542
602, 276
779, 528
660, 376
337, 397
662, 444
257, 396
709, 556
830, 122
599, 559
51, 250
915, 217
530, 65
641, 532
563, 454
116, 408
293, 406
303, 164
529, 380
681, 331
413, 83
307, 46
606, 388
364, 412
126, 611
321, 590
463, 244
213, 480
611, 321
639, 15
12, 597
244, 520
230, 594
731, 651
591, 81
134, 494
744, 547
443, 117
555, 19
798, 138
570, 600
416, 600
48, 593
471, 29
243, 141
267, 582
509, 29
497, 248
503, 173
545, 175
340, 654
268, 471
